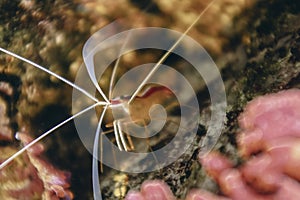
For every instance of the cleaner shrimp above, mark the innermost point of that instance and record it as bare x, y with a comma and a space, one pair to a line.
126, 113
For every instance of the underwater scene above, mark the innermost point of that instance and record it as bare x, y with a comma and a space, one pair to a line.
149, 100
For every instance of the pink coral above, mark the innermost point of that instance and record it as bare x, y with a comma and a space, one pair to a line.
152, 190
269, 117
55, 181
30, 176
270, 145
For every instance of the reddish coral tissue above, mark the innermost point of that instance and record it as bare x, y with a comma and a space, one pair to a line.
269, 142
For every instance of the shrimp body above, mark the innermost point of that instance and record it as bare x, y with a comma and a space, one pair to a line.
125, 114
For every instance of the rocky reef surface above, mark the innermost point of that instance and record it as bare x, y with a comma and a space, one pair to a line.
255, 45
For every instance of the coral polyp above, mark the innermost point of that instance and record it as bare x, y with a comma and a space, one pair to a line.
269, 145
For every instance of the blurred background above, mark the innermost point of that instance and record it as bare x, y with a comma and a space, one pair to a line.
255, 44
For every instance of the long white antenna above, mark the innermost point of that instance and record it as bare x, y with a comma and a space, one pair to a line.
113, 76
51, 73
165, 56
11, 158
95, 168
114, 72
